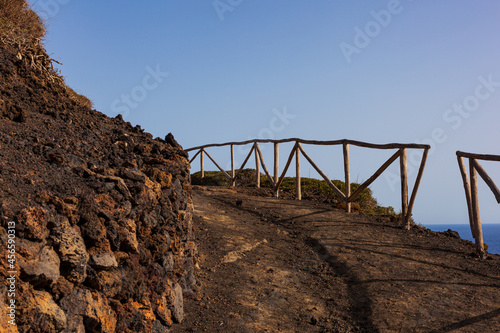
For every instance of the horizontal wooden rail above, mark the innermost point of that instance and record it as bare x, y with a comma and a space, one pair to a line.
298, 150
315, 142
471, 192
484, 157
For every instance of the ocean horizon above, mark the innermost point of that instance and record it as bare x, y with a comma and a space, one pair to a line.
491, 233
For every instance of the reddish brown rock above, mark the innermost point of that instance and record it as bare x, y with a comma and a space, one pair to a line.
61, 288
162, 177
42, 269
67, 207
104, 260
7, 324
134, 175
128, 236
38, 312
89, 311
177, 306
108, 282
163, 313
105, 203
32, 223
72, 251
98, 201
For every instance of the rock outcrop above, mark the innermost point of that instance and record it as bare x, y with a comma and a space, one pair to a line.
102, 214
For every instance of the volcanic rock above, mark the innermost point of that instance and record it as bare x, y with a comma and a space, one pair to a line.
102, 212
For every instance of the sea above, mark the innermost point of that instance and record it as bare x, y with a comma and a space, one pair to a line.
491, 233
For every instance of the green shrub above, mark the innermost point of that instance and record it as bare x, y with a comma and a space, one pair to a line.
311, 189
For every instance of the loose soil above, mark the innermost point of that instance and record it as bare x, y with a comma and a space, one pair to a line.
274, 265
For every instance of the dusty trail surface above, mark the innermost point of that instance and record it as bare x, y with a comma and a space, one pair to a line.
270, 265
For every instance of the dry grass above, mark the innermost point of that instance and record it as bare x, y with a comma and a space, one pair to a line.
79, 99
19, 24
22, 31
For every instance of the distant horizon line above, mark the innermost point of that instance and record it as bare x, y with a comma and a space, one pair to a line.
485, 223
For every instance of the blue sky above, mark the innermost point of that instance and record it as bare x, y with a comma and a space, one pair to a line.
376, 71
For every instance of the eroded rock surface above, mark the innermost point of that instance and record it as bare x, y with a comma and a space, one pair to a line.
102, 213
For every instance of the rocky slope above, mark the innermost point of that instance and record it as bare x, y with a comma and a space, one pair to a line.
101, 213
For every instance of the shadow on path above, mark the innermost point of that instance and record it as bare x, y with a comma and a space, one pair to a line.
361, 304
360, 310
359, 248
468, 322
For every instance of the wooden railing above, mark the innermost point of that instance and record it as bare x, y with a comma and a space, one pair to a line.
471, 192
297, 150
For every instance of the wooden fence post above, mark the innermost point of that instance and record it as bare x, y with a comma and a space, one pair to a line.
276, 168
297, 171
405, 219
202, 163
465, 180
347, 174
475, 209
257, 166
233, 180
288, 162
347, 197
417, 182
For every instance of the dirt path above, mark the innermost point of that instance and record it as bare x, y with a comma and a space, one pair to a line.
271, 265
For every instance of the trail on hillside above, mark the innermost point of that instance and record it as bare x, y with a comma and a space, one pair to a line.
271, 265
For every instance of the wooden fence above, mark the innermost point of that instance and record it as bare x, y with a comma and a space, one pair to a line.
471, 192
276, 179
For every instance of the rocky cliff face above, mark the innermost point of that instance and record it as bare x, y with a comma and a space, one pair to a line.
101, 214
